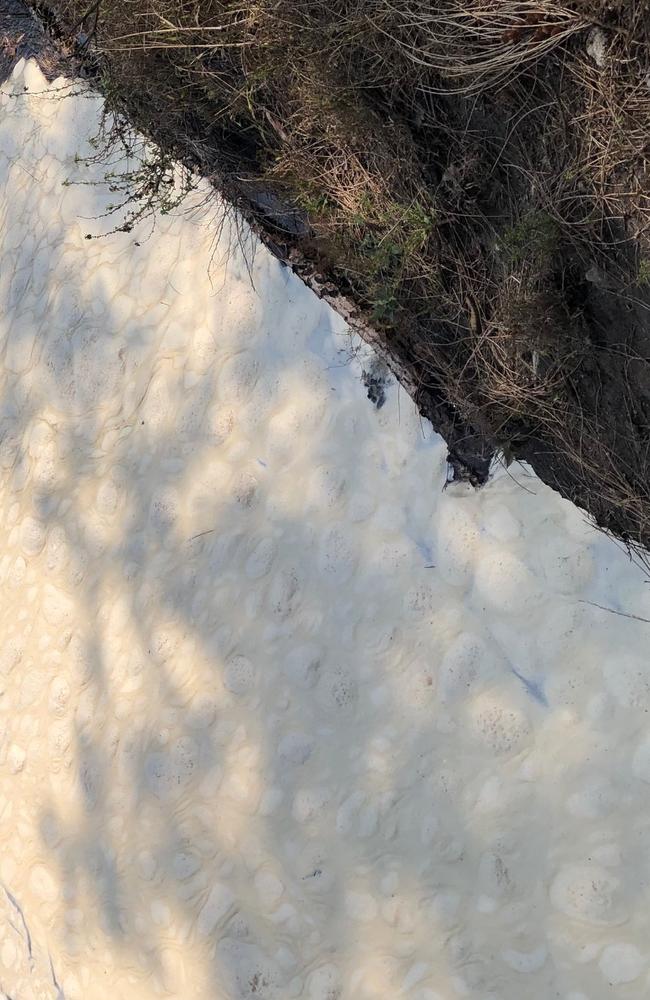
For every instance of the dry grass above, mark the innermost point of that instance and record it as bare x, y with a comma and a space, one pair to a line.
457, 169
614, 130
473, 46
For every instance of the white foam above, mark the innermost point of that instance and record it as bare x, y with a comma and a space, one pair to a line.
280, 716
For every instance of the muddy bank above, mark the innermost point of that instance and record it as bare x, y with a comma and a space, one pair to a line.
561, 381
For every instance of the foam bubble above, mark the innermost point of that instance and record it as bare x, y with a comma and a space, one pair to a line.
33, 536
505, 583
43, 884
239, 675
337, 558
462, 664
621, 963
458, 542
324, 983
589, 893
628, 679
501, 728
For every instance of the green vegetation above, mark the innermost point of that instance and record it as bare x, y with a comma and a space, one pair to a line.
643, 274
535, 237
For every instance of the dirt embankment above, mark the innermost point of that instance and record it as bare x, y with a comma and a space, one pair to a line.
470, 188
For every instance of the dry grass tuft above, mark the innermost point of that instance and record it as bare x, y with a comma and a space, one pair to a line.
475, 45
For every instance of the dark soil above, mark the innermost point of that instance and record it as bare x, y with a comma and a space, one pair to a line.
614, 381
